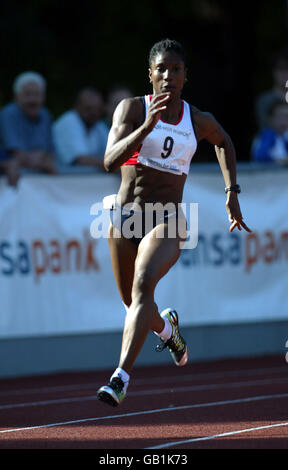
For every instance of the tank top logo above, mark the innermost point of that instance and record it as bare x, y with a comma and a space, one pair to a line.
176, 131
169, 147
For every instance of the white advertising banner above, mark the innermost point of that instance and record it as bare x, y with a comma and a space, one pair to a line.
56, 279
239, 276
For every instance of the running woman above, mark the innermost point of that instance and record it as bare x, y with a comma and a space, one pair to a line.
153, 139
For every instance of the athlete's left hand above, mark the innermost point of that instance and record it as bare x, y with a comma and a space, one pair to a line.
234, 213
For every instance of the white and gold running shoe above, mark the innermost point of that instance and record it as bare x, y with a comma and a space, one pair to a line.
176, 344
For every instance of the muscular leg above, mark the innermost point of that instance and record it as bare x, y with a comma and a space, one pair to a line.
154, 259
123, 254
137, 274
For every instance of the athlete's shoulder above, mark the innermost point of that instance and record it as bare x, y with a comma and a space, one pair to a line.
131, 104
129, 110
201, 115
204, 122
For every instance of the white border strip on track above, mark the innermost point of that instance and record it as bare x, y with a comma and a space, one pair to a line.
147, 412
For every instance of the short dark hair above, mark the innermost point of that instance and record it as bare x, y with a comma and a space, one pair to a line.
166, 45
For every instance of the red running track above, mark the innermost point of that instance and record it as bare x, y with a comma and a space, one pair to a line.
217, 405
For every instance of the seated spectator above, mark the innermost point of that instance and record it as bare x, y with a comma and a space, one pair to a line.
80, 134
271, 145
26, 125
277, 92
116, 94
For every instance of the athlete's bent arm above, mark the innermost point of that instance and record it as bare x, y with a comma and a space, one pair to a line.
127, 132
123, 139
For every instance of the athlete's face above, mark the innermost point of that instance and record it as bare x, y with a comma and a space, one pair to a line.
168, 73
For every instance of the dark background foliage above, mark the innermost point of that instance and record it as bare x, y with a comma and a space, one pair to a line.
229, 47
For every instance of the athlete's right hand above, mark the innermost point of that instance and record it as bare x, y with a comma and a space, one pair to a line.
157, 105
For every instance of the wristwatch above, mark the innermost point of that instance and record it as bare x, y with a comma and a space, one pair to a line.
236, 188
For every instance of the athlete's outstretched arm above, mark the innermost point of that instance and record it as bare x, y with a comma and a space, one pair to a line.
127, 132
209, 129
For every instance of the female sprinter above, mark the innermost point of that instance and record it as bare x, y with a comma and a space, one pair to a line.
153, 140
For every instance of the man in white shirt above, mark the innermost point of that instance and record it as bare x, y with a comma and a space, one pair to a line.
80, 134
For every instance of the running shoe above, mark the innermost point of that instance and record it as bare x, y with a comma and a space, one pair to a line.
176, 344
113, 393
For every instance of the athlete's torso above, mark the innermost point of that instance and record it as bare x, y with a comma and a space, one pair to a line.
157, 171
169, 147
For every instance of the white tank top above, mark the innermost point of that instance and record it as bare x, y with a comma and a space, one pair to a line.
169, 147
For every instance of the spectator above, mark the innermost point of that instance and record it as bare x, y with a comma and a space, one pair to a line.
80, 135
116, 94
271, 145
278, 90
26, 125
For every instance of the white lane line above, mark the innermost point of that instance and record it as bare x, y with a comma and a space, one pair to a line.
192, 388
151, 380
215, 436
214, 375
207, 387
147, 412
57, 401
